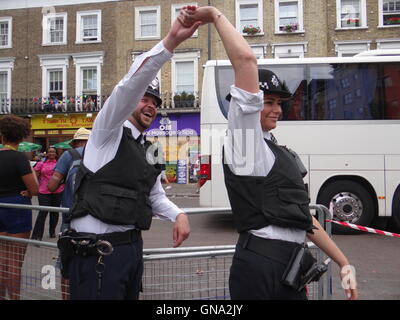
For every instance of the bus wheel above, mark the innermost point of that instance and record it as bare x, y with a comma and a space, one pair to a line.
394, 223
350, 202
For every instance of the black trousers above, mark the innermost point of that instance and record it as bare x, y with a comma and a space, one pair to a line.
257, 277
121, 279
52, 200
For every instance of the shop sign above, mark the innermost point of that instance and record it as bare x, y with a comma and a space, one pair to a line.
60, 121
175, 125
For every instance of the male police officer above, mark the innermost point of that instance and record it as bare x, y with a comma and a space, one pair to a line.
117, 190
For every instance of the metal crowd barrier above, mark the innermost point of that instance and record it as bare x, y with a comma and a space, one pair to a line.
187, 273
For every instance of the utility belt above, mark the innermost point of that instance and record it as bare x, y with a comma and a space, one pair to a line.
72, 243
301, 266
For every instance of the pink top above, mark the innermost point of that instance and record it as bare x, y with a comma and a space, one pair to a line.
46, 170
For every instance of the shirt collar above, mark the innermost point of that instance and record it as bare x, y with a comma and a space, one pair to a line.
134, 130
266, 135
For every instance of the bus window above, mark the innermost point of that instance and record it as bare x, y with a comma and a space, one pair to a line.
340, 91
224, 78
391, 84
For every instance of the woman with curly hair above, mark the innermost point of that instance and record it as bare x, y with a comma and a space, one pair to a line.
18, 184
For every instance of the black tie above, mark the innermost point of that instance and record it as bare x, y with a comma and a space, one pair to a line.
273, 139
139, 139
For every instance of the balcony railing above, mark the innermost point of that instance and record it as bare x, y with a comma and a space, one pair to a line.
39, 105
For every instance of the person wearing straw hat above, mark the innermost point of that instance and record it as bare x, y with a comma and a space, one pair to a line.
65, 172
117, 189
269, 201
64, 165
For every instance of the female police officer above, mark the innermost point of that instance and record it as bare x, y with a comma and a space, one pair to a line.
266, 190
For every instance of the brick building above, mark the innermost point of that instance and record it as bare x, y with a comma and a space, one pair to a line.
60, 59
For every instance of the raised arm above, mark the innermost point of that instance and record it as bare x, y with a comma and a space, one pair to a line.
238, 50
128, 92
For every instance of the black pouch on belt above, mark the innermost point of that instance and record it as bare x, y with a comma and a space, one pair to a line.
68, 249
299, 264
66, 252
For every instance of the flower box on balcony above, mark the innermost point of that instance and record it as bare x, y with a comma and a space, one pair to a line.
392, 21
352, 23
289, 27
251, 30
184, 100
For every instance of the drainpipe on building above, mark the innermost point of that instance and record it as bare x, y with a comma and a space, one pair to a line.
209, 36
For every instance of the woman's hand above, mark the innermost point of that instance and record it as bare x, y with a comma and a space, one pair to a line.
26, 193
349, 284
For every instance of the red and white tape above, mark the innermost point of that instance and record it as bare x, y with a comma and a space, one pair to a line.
365, 229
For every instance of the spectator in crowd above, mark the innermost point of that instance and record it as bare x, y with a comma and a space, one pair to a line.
44, 171
65, 171
18, 184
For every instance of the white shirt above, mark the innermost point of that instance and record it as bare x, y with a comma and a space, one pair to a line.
247, 154
107, 131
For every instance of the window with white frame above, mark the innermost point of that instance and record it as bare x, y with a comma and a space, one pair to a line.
55, 83
6, 67
88, 80
258, 51
89, 88
54, 79
288, 15
185, 77
351, 48
389, 13
147, 22
88, 26
289, 50
391, 43
54, 29
3, 91
249, 16
6, 32
176, 8
351, 13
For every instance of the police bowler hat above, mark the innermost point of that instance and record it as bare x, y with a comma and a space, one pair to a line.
270, 84
154, 90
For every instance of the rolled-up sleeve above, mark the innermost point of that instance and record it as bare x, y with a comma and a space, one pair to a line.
245, 149
246, 101
162, 207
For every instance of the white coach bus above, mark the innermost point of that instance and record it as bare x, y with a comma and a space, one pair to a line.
343, 121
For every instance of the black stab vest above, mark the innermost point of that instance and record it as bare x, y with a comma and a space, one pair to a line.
278, 199
118, 193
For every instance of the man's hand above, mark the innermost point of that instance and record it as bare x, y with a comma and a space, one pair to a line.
181, 229
180, 31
